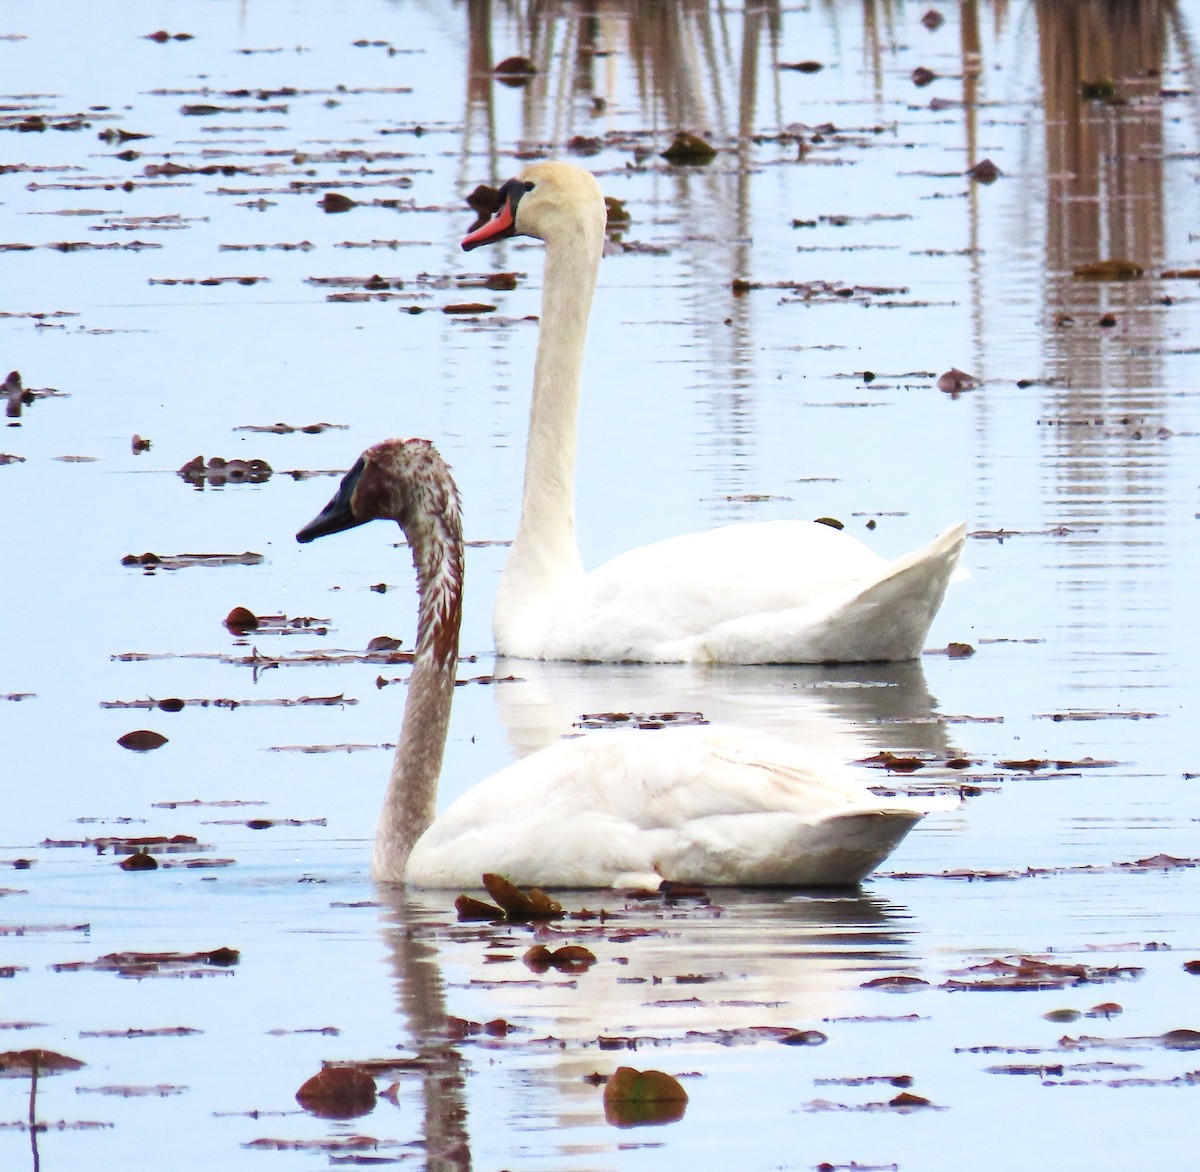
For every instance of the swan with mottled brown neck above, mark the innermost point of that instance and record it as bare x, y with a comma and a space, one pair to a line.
616, 808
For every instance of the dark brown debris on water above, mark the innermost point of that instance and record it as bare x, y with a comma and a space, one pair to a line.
904, 1103
1177, 1039
162, 36
206, 281
266, 823
518, 905
954, 381
802, 66
333, 1146
1109, 270
142, 740
140, 860
619, 218
155, 964
484, 201
985, 171
585, 144
922, 77
177, 704
198, 802
115, 135
160, 1091
139, 444
885, 759
514, 71
469, 908
289, 429
338, 1092
241, 621
218, 471
123, 844
469, 307
1032, 973
24, 1063
953, 650
688, 148
14, 395
334, 202
570, 958
638, 1098
804, 1038
896, 983
1097, 714
1100, 89
933, 20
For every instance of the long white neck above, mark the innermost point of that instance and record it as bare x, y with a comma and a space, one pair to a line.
545, 557
410, 803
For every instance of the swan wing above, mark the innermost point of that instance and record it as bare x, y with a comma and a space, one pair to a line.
885, 617
646, 604
632, 807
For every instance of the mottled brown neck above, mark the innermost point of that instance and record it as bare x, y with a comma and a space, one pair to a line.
433, 526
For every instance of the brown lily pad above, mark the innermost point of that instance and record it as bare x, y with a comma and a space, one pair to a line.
954, 381
142, 740
139, 861
518, 905
571, 958
219, 471
1109, 270
514, 71
338, 1092
689, 148
27, 1063
640, 1098
241, 621
469, 908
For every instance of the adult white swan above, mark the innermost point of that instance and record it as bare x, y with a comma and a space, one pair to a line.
624, 807
765, 592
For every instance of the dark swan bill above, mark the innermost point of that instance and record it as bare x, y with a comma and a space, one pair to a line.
339, 513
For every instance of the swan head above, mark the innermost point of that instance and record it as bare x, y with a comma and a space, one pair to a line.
403, 480
545, 200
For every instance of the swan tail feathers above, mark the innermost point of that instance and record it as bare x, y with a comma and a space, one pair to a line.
883, 619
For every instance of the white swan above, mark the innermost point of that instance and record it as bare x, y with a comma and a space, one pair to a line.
625, 807
765, 592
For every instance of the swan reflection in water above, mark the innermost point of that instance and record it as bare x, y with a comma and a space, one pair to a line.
673, 982
845, 712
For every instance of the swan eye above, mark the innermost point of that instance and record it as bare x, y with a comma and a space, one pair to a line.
528, 186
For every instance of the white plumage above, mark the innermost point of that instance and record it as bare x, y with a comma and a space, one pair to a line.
624, 807
767, 592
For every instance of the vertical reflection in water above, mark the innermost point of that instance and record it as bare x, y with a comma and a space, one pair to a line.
1104, 339
879, 39
971, 53
421, 999
480, 117
1104, 182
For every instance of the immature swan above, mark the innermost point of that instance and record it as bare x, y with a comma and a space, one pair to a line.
767, 592
625, 807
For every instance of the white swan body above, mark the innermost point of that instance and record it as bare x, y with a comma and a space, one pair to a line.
625, 807
700, 804
768, 592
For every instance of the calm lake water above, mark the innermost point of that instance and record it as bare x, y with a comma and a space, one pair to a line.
187, 287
